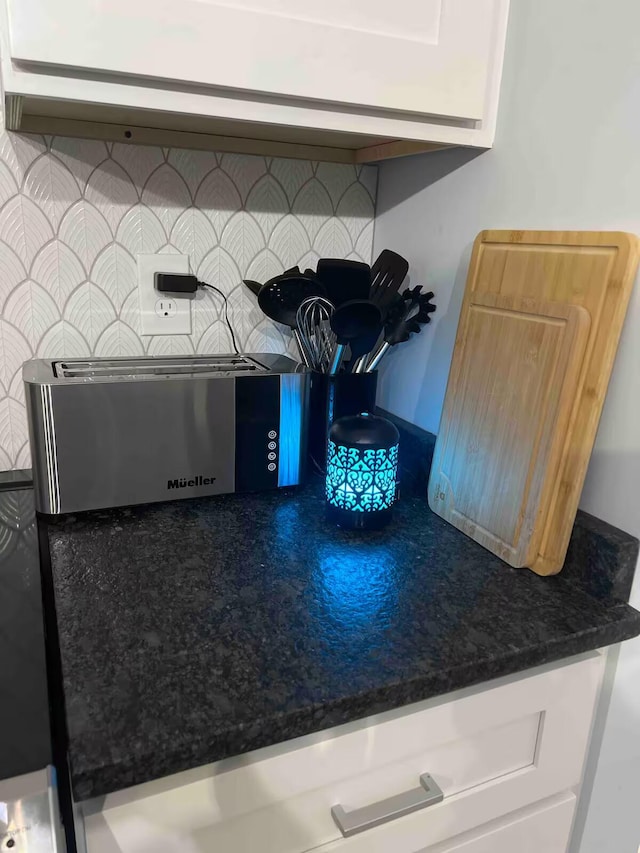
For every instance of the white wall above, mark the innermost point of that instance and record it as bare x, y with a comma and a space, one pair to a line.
567, 155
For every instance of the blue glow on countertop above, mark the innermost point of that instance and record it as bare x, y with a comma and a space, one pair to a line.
351, 583
287, 523
355, 585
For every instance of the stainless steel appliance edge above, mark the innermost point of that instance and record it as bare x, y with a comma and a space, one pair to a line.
118, 432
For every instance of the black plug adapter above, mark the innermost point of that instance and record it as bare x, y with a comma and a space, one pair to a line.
173, 282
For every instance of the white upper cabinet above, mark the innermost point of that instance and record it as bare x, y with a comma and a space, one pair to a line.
423, 56
421, 70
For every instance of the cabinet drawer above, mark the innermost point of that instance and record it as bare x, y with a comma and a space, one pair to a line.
492, 751
543, 828
546, 828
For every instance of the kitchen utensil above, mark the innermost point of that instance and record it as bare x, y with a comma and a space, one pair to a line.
361, 347
402, 323
254, 286
387, 275
313, 321
516, 371
350, 321
281, 297
361, 485
344, 280
537, 336
139, 430
397, 306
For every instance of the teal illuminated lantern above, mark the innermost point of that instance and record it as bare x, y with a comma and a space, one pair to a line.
362, 467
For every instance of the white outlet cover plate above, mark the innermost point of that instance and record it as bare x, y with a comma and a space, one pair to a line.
153, 322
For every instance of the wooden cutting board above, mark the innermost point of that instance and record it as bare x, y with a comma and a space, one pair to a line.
538, 332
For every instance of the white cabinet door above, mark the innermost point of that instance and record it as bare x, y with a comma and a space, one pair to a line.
430, 57
543, 829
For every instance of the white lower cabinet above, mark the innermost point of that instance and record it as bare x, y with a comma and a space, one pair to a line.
542, 829
504, 754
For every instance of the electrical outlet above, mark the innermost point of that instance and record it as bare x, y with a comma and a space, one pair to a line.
162, 313
166, 307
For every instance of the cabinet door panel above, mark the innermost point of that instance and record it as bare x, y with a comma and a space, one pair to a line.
413, 56
542, 828
545, 827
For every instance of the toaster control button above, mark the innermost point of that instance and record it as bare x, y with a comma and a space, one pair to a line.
272, 445
273, 433
271, 466
272, 457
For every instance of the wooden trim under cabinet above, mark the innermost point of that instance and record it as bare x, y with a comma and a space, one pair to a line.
294, 143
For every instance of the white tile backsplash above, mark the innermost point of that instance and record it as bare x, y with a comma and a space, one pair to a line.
74, 213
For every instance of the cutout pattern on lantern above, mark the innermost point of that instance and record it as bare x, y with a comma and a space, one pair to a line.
361, 480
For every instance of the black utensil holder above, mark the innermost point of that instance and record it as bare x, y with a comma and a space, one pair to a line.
334, 397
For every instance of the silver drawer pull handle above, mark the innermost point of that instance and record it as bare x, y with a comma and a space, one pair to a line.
350, 823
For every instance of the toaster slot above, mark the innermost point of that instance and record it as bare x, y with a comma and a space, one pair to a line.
136, 368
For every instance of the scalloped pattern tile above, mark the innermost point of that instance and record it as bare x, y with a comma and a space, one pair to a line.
74, 213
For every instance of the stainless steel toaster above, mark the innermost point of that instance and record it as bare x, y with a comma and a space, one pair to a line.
121, 431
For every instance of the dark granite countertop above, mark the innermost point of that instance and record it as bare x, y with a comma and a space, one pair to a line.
196, 630
25, 744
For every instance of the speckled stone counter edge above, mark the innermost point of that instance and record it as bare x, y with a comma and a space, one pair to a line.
601, 558
237, 739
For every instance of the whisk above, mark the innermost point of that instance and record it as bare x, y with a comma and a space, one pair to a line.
317, 340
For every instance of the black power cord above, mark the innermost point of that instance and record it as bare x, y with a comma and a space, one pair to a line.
226, 312
185, 283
